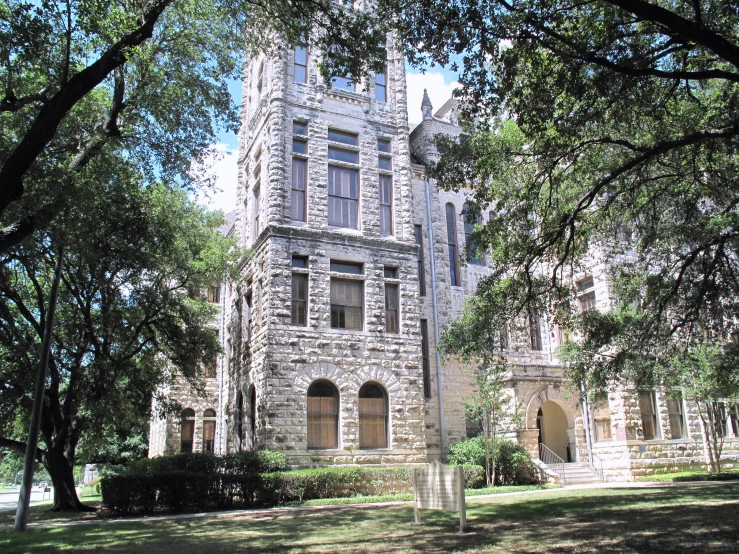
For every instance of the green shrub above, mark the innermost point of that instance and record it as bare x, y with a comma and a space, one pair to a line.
513, 465
146, 489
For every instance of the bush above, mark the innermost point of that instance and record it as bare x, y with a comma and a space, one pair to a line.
513, 465
147, 490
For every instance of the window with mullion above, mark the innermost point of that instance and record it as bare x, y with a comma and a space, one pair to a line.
301, 64
381, 86
647, 406
347, 302
675, 414
343, 197
451, 234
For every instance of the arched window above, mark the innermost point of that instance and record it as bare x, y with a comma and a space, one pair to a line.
323, 415
188, 429
451, 237
239, 420
209, 431
472, 217
372, 416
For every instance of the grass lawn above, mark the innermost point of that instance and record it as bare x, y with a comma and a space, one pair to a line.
40, 512
725, 475
685, 519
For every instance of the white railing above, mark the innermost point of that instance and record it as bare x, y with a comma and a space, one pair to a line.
551, 460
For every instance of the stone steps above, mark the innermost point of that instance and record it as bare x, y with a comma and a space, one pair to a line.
579, 473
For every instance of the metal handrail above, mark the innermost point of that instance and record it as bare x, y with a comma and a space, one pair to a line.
596, 464
550, 459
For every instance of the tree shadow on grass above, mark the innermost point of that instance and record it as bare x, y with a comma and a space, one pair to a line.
701, 519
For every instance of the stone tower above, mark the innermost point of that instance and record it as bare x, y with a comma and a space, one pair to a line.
323, 331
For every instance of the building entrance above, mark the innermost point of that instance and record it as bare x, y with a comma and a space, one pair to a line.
552, 424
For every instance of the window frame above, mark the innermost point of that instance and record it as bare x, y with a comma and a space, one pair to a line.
650, 416
299, 196
187, 421
381, 86
471, 216
299, 276
368, 418
320, 418
676, 417
452, 242
209, 424
420, 260
392, 288
296, 65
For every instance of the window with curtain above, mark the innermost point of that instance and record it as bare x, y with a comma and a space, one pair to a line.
451, 237
187, 432
323, 415
373, 415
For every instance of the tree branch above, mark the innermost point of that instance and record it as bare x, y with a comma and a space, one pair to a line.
20, 448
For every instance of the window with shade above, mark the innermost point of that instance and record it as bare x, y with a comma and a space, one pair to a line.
300, 291
373, 415
300, 69
648, 408
298, 205
323, 415
451, 237
209, 431
472, 217
676, 416
343, 180
187, 429
347, 295
392, 301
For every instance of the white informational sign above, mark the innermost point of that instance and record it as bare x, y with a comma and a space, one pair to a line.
438, 487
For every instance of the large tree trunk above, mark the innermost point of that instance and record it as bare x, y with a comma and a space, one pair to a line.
60, 465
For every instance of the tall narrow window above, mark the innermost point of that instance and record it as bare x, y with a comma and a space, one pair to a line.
240, 420
253, 417
426, 360
257, 208
372, 417
677, 418
648, 408
386, 204
718, 410
391, 301
211, 368
451, 237
209, 431
187, 432
260, 81
214, 294
503, 337
301, 64
323, 415
734, 415
300, 292
471, 218
343, 197
300, 172
418, 231
535, 331
602, 420
381, 86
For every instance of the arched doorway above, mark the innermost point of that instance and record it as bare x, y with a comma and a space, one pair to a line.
551, 422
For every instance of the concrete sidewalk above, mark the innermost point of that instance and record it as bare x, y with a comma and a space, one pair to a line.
274, 512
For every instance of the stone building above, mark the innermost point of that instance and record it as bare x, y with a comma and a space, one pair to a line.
358, 265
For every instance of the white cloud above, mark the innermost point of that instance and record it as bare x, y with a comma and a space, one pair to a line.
223, 168
439, 92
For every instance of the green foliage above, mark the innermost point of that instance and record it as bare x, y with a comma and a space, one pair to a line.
238, 463
687, 476
513, 465
147, 487
603, 134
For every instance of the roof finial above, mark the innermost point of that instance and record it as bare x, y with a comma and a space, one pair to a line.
426, 107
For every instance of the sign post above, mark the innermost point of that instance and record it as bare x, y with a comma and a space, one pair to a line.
437, 487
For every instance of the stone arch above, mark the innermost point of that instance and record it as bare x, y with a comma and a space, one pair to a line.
536, 398
342, 379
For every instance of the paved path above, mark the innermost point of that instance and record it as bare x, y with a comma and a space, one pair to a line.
272, 512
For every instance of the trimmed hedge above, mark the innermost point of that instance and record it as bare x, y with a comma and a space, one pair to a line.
176, 490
